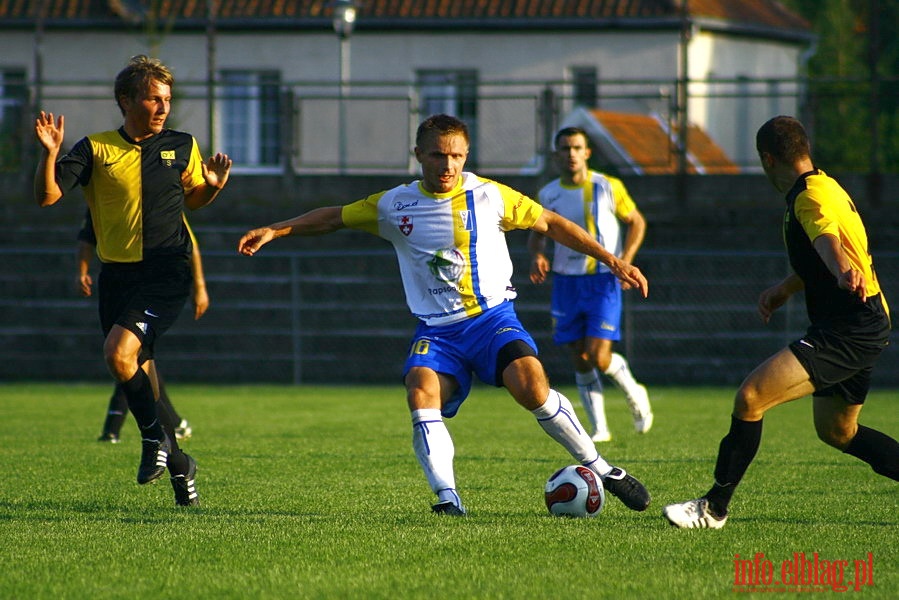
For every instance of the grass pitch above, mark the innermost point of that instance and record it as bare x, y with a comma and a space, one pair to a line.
314, 492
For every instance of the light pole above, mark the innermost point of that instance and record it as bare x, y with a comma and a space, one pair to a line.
344, 20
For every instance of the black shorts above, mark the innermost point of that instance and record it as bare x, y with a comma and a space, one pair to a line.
145, 298
840, 363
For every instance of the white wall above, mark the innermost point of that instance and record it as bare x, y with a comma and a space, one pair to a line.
312, 60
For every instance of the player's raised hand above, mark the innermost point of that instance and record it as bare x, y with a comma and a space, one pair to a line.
49, 131
216, 170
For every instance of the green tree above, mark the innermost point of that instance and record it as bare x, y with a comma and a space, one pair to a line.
853, 85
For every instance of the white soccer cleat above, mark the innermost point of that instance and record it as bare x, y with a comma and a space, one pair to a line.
644, 424
640, 409
183, 431
601, 436
693, 514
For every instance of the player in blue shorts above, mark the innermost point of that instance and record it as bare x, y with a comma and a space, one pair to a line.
448, 231
586, 296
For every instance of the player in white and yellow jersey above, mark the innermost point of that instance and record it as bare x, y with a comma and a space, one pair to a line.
448, 230
586, 296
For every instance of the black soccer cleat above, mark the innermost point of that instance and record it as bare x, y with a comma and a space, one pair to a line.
448, 508
185, 486
109, 438
627, 489
153, 459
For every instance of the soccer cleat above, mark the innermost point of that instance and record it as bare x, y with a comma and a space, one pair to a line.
601, 436
110, 438
185, 486
153, 459
693, 514
448, 508
183, 431
640, 409
644, 424
627, 489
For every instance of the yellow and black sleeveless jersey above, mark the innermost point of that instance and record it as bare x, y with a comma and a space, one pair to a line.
135, 191
817, 205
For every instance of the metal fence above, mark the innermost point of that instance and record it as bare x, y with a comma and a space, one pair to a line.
368, 127
339, 316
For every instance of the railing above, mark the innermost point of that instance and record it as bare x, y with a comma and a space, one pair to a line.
339, 316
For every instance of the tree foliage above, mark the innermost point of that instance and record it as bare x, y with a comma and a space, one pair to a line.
853, 101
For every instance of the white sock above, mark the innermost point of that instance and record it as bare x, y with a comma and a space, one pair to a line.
621, 374
435, 451
589, 387
557, 419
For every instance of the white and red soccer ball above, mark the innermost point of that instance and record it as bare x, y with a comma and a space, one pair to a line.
574, 491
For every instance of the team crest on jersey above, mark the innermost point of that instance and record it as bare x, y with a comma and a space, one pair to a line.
466, 220
405, 224
168, 157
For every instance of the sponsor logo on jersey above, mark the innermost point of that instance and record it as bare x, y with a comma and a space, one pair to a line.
168, 157
405, 224
447, 265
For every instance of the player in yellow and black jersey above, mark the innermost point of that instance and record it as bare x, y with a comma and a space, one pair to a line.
137, 181
850, 326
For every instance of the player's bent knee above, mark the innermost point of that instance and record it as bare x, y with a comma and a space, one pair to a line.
835, 436
747, 405
510, 353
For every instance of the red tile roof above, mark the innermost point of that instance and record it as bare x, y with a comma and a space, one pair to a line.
645, 144
768, 14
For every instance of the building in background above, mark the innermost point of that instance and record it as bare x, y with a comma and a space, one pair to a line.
275, 86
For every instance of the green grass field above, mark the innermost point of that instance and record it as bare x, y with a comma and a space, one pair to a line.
314, 492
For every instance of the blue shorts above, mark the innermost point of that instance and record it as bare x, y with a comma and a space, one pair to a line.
586, 306
466, 347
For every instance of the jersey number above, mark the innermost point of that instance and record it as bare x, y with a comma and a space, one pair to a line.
420, 347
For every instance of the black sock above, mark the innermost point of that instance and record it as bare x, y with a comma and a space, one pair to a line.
164, 399
177, 462
735, 453
168, 422
142, 403
877, 449
116, 412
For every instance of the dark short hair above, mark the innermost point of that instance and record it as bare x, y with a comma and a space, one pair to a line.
784, 138
135, 78
441, 125
568, 132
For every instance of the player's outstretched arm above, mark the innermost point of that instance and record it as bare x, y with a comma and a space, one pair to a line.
563, 231
315, 222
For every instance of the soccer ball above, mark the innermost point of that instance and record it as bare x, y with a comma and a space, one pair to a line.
574, 491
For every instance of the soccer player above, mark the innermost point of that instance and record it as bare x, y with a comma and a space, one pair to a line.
448, 231
586, 296
137, 180
850, 326
118, 403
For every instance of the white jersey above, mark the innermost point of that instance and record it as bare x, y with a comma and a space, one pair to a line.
451, 247
596, 205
